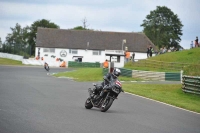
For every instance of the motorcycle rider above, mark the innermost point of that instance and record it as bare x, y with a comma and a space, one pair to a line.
46, 65
109, 77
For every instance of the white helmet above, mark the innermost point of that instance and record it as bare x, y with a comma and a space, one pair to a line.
116, 72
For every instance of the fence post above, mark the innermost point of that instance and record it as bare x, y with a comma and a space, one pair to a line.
181, 76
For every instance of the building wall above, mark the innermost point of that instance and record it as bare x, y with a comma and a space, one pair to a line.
86, 54
139, 56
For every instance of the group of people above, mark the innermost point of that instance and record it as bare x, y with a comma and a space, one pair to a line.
195, 43
165, 50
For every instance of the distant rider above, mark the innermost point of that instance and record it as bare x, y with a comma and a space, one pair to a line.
45, 65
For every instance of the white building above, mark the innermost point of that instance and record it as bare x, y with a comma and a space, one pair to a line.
89, 46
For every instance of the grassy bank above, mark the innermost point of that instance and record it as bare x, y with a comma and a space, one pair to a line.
186, 60
185, 56
5, 61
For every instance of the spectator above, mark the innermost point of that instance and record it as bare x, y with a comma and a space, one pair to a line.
127, 55
133, 57
105, 64
164, 50
150, 50
191, 45
161, 51
196, 42
172, 49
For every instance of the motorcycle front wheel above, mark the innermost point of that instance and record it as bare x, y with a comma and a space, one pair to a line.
88, 104
106, 105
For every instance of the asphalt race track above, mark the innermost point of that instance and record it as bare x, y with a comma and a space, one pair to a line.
31, 101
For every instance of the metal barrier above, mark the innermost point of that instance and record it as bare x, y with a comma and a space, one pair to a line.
150, 75
191, 84
126, 72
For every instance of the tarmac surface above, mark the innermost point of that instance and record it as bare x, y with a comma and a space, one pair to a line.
33, 101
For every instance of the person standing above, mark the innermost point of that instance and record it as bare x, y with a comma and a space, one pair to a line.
150, 50
191, 45
196, 42
133, 57
127, 55
105, 64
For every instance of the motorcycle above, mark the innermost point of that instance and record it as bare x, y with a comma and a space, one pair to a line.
109, 95
46, 67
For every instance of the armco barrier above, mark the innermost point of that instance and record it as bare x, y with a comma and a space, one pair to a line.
126, 72
82, 64
149, 75
191, 84
172, 76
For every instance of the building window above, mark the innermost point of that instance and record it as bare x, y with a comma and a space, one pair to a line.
73, 51
96, 52
49, 50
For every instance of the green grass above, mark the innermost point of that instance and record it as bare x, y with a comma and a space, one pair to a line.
89, 74
5, 61
185, 56
83, 74
167, 93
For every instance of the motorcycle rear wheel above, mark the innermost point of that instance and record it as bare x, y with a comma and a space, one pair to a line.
106, 105
88, 104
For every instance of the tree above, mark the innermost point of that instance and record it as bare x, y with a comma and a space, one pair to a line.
163, 27
79, 28
33, 30
17, 40
84, 23
1, 45
84, 27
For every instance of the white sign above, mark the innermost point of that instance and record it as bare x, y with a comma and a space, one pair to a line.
63, 53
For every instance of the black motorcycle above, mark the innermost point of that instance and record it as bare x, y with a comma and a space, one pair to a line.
108, 97
46, 67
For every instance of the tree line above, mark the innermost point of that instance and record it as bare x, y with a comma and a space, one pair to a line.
161, 26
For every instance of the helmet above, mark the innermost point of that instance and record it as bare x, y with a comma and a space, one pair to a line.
116, 72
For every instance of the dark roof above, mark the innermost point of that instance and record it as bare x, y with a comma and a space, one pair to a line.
98, 40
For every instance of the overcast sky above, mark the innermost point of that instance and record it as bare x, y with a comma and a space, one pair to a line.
104, 15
